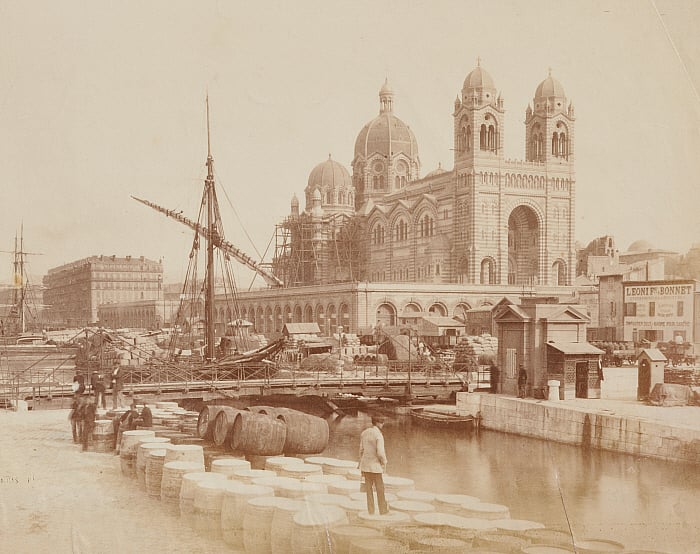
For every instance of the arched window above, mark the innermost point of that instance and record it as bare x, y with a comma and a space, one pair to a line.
469, 138
559, 273
562, 145
492, 138
483, 138
401, 231
488, 273
555, 144
329, 197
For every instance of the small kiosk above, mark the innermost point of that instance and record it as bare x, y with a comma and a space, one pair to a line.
650, 370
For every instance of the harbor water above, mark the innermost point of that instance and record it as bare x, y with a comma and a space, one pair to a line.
642, 503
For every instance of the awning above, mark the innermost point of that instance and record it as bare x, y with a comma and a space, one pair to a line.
575, 347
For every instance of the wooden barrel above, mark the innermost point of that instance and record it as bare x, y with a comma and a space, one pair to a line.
444, 545
500, 542
411, 506
299, 489
154, 472
549, 536
274, 481
306, 434
205, 421
282, 523
420, 496
143, 448
187, 490
382, 521
317, 460
277, 463
394, 484
408, 533
452, 503
267, 410
236, 495
517, 527
377, 545
257, 524
185, 453
389, 496
223, 425
323, 479
344, 487
103, 435
485, 510
172, 481
247, 476
258, 434
208, 501
353, 508
311, 527
334, 466
301, 471
343, 535
288, 487
598, 546
227, 466
326, 498
552, 549
127, 450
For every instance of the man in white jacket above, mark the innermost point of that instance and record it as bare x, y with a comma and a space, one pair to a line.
373, 463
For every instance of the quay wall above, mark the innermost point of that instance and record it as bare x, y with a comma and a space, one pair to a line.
581, 427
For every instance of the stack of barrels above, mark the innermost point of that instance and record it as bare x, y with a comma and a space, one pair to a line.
263, 430
300, 503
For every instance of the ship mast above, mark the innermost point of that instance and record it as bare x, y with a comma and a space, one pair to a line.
212, 233
18, 268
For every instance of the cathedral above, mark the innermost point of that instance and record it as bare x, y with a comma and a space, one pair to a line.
487, 221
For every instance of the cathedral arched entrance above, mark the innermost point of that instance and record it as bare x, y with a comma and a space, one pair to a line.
523, 246
386, 314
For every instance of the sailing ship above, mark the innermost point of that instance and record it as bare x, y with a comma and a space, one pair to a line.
196, 328
20, 324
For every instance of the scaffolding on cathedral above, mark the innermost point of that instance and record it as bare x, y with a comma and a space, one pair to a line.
309, 251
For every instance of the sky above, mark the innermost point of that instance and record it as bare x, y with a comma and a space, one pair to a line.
103, 100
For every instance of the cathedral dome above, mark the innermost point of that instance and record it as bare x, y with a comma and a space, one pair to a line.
640, 246
550, 88
478, 78
329, 174
437, 171
386, 134
330, 186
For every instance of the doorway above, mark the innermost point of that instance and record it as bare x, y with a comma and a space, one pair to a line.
643, 379
581, 379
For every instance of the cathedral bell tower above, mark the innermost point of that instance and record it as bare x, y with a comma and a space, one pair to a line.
478, 120
549, 127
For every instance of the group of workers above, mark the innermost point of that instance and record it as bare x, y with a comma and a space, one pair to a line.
85, 402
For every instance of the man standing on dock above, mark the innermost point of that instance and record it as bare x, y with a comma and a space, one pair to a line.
117, 386
522, 382
373, 463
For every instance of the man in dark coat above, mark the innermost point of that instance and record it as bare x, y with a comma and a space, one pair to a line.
98, 387
522, 382
495, 378
89, 412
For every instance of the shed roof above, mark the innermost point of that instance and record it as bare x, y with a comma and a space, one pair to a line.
442, 321
301, 328
654, 354
575, 347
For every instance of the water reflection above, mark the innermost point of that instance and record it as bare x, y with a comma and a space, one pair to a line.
639, 502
